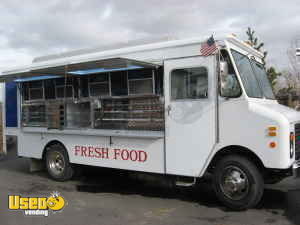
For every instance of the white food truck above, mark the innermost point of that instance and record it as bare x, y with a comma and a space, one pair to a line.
159, 108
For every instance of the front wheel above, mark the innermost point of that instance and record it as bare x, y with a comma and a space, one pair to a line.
57, 163
238, 183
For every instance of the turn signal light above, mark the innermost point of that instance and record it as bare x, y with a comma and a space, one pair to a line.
272, 131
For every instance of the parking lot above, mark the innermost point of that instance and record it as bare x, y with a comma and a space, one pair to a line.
111, 197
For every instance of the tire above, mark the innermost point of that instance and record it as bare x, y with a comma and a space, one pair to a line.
57, 163
244, 185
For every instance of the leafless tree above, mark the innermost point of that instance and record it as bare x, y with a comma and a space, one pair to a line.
292, 76
292, 82
293, 58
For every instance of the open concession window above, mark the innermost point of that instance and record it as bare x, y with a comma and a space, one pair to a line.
135, 104
121, 95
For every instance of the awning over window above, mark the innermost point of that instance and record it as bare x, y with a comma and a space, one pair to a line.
76, 68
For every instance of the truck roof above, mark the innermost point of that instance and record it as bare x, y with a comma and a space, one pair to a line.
101, 48
136, 54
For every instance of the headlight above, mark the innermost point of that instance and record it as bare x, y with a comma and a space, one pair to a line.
292, 144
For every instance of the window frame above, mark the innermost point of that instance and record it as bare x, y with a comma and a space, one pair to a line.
27, 84
152, 78
99, 82
187, 99
64, 86
54, 86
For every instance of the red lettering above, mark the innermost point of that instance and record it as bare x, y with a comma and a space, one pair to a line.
90, 151
83, 151
142, 156
105, 153
133, 155
77, 149
116, 153
98, 153
123, 155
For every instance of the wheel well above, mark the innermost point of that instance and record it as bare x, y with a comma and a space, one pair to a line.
50, 143
236, 150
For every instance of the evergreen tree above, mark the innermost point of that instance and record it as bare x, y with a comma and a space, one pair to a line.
273, 75
255, 44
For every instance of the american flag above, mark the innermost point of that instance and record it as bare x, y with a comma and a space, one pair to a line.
209, 47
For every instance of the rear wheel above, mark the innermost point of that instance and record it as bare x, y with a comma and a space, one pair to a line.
238, 183
57, 163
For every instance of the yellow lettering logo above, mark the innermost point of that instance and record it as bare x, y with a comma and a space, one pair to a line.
34, 205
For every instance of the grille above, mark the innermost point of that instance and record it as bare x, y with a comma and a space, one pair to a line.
297, 141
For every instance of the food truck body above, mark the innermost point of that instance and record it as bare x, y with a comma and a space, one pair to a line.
161, 108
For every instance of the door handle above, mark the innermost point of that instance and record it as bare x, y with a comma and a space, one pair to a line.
169, 109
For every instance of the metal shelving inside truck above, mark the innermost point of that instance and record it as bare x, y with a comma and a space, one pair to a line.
166, 108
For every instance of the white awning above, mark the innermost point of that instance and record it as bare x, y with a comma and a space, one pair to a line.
79, 68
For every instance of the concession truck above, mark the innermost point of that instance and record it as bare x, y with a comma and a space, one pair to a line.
176, 109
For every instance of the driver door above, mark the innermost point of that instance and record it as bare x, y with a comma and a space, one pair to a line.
190, 99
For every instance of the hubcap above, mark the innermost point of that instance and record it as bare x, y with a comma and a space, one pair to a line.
234, 183
56, 162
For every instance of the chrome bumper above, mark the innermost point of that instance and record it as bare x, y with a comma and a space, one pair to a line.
296, 165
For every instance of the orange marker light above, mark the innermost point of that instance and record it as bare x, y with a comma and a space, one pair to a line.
272, 131
272, 134
272, 144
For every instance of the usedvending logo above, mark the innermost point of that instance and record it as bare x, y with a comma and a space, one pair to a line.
37, 206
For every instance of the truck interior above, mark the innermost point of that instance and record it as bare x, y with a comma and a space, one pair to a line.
117, 94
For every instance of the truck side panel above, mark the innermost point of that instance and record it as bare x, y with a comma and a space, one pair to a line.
140, 154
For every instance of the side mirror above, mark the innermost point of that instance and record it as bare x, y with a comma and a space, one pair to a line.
223, 70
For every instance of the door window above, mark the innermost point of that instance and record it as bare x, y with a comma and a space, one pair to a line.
190, 83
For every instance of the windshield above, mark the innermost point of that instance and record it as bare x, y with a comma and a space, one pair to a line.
253, 76
263, 80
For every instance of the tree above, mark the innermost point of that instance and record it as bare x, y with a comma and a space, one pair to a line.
292, 82
273, 75
253, 41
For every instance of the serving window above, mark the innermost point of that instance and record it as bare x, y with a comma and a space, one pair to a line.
128, 100
132, 82
49, 89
